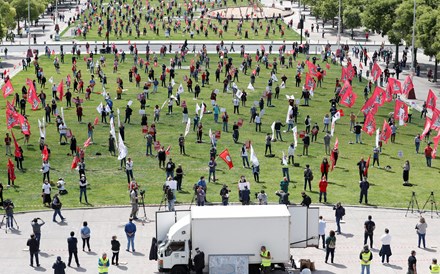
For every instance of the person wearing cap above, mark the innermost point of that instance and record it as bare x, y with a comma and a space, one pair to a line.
59, 266
61, 188
199, 261
103, 264
265, 260
83, 188
366, 256
130, 232
434, 267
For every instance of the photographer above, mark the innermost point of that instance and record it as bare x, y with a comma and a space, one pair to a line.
224, 193
134, 202
9, 210
36, 228
284, 197
262, 198
170, 197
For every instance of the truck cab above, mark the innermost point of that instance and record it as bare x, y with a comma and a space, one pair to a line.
174, 252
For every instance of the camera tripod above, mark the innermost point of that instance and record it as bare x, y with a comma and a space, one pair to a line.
145, 218
163, 202
7, 222
431, 200
411, 204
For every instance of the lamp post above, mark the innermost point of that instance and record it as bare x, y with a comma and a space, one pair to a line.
413, 54
29, 24
339, 25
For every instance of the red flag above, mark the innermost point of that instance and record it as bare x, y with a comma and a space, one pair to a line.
394, 86
350, 71
312, 68
30, 83
344, 74
386, 132
370, 106
96, 121
11, 170
336, 146
427, 127
327, 66
379, 96
60, 89
367, 166
431, 100
12, 117
345, 88
75, 162
33, 98
332, 154
45, 153
88, 142
17, 152
369, 124
376, 71
25, 126
407, 85
167, 151
227, 158
435, 121
434, 149
310, 82
7, 89
400, 112
349, 98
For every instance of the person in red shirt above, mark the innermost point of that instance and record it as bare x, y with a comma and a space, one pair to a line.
323, 189
428, 154
324, 168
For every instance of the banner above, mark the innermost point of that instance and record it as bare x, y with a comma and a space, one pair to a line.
376, 71
431, 100
254, 158
188, 127
60, 89
7, 89
386, 131
273, 130
11, 170
295, 135
400, 112
225, 156
87, 142
427, 127
45, 153
17, 152
122, 149
33, 98
379, 96
369, 124
407, 86
434, 149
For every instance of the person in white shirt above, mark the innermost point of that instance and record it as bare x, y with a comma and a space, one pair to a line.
236, 103
385, 250
45, 193
63, 131
258, 123
262, 198
61, 188
129, 170
45, 168
321, 231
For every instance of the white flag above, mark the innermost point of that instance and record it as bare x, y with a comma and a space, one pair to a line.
239, 93
197, 108
188, 127
262, 112
290, 97
119, 119
377, 137
273, 130
250, 87
335, 117
164, 104
173, 82
254, 159
234, 85
295, 135
62, 116
107, 109
288, 114
285, 162
99, 108
42, 129
202, 110
212, 137
129, 103
401, 116
122, 149
180, 89
51, 79
283, 84
112, 130
274, 77
312, 92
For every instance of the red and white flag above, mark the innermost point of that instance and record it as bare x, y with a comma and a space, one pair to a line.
7, 89
24, 125
367, 166
227, 158
312, 68
369, 124
379, 96
427, 127
88, 142
349, 98
370, 107
431, 100
435, 121
436, 140
60, 89
376, 71
310, 83
401, 112
394, 86
96, 121
75, 162
33, 98
386, 132
12, 117
407, 85
350, 71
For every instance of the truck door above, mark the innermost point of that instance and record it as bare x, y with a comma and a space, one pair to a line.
177, 252
165, 219
303, 226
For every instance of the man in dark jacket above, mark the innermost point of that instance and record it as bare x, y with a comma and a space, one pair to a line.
59, 266
33, 250
306, 199
364, 185
199, 261
72, 243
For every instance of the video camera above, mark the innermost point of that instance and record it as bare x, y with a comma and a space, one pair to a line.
8, 203
142, 192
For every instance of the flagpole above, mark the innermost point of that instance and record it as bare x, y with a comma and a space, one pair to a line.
339, 25
413, 55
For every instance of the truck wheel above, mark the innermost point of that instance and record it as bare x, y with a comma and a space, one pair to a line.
179, 270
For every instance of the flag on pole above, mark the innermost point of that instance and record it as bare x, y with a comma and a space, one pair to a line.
225, 156
369, 124
376, 71
250, 87
112, 130
288, 114
332, 154
45, 153
17, 152
335, 117
96, 121
284, 160
367, 166
407, 86
180, 89
386, 131
119, 119
428, 123
62, 116
60, 89
436, 140
295, 136
122, 149
377, 137
167, 151
400, 112
75, 162
33, 98
188, 127
202, 111
88, 142
273, 130
42, 129
51, 80
431, 100
7, 89
197, 108
254, 158
100, 108
11, 170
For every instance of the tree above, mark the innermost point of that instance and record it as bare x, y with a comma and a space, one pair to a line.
352, 18
7, 15
428, 25
21, 8
326, 10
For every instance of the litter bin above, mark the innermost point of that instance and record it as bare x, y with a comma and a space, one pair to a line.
109, 50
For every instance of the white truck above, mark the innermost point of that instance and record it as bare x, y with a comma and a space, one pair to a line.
231, 236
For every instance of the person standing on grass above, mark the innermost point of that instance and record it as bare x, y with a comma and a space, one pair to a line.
324, 168
323, 189
406, 168
327, 138
306, 144
330, 244
385, 250
428, 154
308, 177
417, 142
129, 169
83, 188
364, 185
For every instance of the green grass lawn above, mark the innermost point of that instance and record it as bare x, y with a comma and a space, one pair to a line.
109, 184
231, 34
